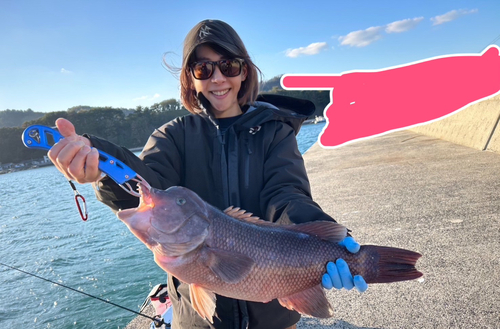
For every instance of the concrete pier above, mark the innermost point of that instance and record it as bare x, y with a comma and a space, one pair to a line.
425, 194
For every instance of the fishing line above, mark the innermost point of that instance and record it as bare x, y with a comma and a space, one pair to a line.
492, 42
83, 293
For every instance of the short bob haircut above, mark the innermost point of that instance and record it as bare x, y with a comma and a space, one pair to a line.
224, 40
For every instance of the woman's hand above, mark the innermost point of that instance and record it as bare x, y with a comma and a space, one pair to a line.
338, 275
74, 156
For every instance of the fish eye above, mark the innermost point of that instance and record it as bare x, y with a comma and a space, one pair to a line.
181, 201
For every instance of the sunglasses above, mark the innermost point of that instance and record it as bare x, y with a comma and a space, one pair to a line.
229, 67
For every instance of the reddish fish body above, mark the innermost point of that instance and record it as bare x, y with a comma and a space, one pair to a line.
238, 256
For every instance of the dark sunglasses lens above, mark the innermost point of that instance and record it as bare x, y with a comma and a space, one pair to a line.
203, 71
230, 68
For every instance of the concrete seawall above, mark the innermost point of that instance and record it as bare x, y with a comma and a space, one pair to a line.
474, 126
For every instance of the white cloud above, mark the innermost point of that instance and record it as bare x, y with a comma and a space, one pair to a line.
362, 38
64, 71
403, 25
312, 49
451, 15
142, 98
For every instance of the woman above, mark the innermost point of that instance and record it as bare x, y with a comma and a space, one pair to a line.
237, 148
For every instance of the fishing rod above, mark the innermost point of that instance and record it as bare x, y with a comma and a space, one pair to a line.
158, 321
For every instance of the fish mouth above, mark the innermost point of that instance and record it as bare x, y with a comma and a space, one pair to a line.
145, 204
146, 198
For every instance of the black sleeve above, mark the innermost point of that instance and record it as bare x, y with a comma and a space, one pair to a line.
159, 164
286, 197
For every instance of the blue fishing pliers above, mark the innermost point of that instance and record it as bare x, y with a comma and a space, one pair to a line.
43, 137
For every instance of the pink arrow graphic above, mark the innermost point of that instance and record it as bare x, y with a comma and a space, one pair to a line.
365, 104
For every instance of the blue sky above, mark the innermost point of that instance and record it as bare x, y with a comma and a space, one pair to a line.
59, 54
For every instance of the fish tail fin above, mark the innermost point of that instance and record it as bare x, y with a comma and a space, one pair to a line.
392, 264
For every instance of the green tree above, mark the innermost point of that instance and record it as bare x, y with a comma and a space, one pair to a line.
12, 148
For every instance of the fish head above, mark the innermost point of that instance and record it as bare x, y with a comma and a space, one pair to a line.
179, 205
170, 222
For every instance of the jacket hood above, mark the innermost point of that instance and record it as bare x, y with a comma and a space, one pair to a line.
268, 107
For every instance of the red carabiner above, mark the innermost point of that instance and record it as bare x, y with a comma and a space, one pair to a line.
81, 204
82, 207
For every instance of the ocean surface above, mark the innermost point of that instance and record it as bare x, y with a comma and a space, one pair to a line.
41, 233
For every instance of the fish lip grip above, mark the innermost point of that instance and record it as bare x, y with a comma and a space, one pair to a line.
41, 137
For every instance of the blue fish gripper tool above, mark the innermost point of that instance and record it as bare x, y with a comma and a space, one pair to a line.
43, 138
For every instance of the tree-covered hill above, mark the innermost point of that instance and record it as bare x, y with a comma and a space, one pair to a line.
15, 118
130, 128
320, 98
268, 85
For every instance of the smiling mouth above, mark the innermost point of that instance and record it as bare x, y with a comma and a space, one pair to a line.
220, 92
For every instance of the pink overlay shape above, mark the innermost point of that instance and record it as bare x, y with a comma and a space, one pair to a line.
365, 104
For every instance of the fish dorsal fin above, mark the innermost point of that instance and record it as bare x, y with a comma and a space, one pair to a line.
329, 231
245, 216
203, 301
325, 230
239, 213
311, 301
231, 267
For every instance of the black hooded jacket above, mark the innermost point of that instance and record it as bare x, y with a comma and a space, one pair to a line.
254, 165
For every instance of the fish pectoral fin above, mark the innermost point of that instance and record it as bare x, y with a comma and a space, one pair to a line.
203, 301
329, 231
311, 301
231, 267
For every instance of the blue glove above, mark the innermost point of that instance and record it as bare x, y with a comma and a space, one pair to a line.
338, 274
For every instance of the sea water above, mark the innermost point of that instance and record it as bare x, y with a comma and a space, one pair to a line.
41, 233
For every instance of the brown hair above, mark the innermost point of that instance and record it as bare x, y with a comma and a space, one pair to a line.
224, 40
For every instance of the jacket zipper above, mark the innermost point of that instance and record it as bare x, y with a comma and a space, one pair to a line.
224, 168
223, 161
247, 165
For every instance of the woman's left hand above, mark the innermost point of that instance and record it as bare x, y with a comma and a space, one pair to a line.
338, 275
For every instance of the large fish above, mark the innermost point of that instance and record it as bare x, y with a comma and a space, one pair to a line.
239, 256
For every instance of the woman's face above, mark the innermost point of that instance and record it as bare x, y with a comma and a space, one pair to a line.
219, 90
